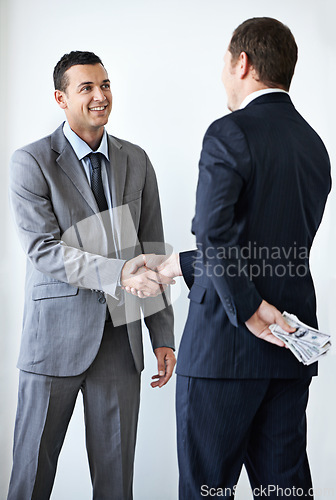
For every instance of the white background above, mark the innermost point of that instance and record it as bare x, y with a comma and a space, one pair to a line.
164, 60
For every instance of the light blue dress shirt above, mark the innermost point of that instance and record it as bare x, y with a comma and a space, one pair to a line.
82, 149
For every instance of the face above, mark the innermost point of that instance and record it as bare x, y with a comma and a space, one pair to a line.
231, 81
87, 101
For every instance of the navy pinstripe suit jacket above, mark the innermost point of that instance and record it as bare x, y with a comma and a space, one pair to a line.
264, 177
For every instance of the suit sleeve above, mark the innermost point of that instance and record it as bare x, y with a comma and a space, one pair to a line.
40, 234
160, 324
224, 171
187, 260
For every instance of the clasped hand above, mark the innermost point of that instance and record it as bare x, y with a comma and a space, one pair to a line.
148, 275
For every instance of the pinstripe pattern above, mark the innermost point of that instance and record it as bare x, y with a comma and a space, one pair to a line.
264, 177
223, 424
271, 172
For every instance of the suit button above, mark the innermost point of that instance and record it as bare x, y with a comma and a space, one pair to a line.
101, 299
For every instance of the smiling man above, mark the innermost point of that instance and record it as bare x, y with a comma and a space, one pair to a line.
71, 341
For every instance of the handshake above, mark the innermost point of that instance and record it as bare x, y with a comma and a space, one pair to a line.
147, 275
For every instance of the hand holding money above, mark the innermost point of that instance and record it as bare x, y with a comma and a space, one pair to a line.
259, 322
306, 343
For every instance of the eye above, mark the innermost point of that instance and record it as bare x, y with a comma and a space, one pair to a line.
106, 86
87, 88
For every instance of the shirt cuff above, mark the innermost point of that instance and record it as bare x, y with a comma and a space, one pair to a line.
113, 288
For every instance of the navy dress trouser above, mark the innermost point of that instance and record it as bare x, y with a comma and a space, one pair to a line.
225, 423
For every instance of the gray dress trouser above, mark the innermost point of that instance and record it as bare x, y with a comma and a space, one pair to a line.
111, 394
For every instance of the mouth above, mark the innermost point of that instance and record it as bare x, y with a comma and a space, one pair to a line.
98, 108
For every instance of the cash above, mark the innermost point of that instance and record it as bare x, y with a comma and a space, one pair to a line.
306, 343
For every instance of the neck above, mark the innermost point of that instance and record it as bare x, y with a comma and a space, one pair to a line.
249, 89
251, 85
91, 137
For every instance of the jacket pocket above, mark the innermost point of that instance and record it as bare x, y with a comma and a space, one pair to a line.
197, 293
53, 290
135, 195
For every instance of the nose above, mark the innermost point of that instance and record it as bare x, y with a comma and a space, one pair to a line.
98, 94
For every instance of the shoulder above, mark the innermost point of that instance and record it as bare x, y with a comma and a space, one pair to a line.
310, 132
228, 128
224, 123
137, 159
126, 146
227, 133
42, 146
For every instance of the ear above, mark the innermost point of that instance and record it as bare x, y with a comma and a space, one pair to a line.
244, 65
60, 99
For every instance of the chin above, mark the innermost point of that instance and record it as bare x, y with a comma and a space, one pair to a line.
99, 122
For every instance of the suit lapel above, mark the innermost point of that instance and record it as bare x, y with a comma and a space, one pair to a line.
117, 179
118, 160
70, 164
72, 167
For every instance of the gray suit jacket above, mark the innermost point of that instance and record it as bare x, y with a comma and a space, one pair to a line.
69, 277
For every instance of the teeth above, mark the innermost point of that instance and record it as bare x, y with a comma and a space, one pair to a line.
98, 108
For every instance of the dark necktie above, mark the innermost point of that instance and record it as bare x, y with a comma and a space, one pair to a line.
98, 191
96, 181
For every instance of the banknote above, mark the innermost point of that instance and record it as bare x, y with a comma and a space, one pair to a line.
306, 343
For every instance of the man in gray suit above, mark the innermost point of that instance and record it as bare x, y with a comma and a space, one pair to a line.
85, 204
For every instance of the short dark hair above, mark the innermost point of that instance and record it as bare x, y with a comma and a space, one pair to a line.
270, 47
75, 57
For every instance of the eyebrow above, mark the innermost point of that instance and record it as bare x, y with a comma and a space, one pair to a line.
91, 83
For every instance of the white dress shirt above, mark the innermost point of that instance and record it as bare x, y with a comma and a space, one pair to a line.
259, 93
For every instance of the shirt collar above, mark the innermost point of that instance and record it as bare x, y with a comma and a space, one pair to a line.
258, 93
80, 147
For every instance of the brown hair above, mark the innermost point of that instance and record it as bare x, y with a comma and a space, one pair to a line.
75, 57
270, 47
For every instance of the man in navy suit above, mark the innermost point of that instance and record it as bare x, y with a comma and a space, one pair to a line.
264, 177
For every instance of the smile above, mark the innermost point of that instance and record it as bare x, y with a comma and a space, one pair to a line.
98, 108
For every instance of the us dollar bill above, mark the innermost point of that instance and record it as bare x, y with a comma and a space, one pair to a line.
307, 343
